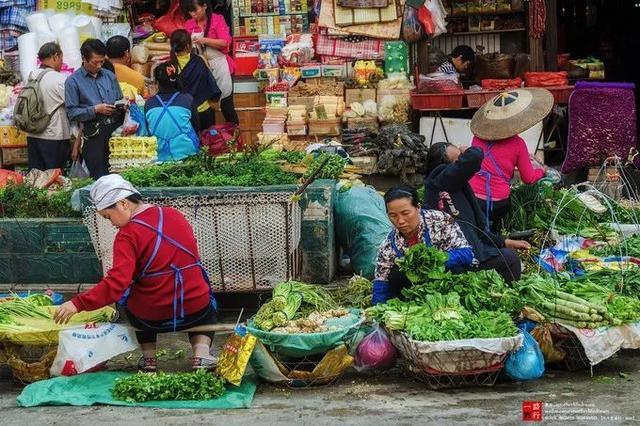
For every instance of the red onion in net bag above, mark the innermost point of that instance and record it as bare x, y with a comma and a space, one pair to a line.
376, 351
602, 123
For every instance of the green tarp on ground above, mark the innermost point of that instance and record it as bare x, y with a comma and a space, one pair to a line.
95, 388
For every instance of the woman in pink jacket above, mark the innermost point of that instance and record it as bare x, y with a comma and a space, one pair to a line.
496, 127
211, 35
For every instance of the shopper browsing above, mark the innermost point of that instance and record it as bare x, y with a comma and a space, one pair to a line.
91, 94
211, 33
48, 148
196, 78
119, 53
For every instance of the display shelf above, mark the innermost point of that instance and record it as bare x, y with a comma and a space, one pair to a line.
466, 15
512, 30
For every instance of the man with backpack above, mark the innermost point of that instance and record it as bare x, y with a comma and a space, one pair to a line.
40, 112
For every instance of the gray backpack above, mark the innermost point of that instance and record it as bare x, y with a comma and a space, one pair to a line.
29, 114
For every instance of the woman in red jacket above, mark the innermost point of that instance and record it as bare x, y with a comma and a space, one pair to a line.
156, 274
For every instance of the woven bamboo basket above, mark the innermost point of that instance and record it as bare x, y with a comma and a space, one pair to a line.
30, 363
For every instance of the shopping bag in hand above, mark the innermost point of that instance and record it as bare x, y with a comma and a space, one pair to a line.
79, 170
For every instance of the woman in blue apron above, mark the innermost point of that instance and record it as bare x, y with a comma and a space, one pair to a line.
156, 274
172, 116
413, 225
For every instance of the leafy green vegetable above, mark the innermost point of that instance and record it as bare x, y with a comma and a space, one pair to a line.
357, 293
204, 170
441, 317
332, 170
141, 387
22, 200
628, 247
422, 264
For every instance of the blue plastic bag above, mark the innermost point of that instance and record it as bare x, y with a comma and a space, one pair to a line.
138, 116
527, 363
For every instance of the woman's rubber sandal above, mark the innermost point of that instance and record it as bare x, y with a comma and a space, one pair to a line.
148, 365
204, 363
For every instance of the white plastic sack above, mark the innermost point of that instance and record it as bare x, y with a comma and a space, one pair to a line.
455, 356
602, 343
81, 349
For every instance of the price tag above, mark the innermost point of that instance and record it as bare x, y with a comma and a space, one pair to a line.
65, 5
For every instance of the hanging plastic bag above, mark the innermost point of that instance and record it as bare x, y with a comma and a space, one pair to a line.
170, 21
79, 170
137, 116
129, 126
376, 351
412, 30
527, 363
235, 356
438, 15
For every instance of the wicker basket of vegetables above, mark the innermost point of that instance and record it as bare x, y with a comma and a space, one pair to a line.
303, 336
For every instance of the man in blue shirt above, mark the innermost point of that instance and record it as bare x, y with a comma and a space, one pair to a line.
90, 96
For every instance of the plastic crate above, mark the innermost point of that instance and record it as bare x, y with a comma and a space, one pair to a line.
421, 101
11, 137
477, 98
561, 94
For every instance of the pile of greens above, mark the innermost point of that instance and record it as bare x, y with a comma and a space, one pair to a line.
422, 264
478, 290
628, 247
441, 317
536, 207
357, 293
141, 387
292, 300
204, 170
23, 201
597, 299
332, 170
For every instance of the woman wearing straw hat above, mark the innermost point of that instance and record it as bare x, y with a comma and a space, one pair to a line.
156, 274
496, 126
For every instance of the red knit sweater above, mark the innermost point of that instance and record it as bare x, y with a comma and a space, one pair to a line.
150, 298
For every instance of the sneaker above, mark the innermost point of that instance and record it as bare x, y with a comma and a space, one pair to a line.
148, 365
204, 363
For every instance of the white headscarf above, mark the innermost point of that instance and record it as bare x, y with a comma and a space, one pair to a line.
110, 189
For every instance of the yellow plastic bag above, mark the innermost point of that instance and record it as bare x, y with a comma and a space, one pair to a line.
235, 355
542, 334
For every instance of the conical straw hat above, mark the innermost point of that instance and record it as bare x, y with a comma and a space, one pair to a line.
510, 113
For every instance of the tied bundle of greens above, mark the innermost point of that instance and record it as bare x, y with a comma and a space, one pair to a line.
332, 169
628, 247
357, 293
289, 300
623, 308
422, 264
547, 297
142, 387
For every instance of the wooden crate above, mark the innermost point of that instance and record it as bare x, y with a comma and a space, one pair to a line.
329, 127
370, 123
13, 156
359, 95
392, 92
11, 137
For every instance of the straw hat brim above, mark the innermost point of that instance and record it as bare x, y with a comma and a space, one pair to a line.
491, 124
